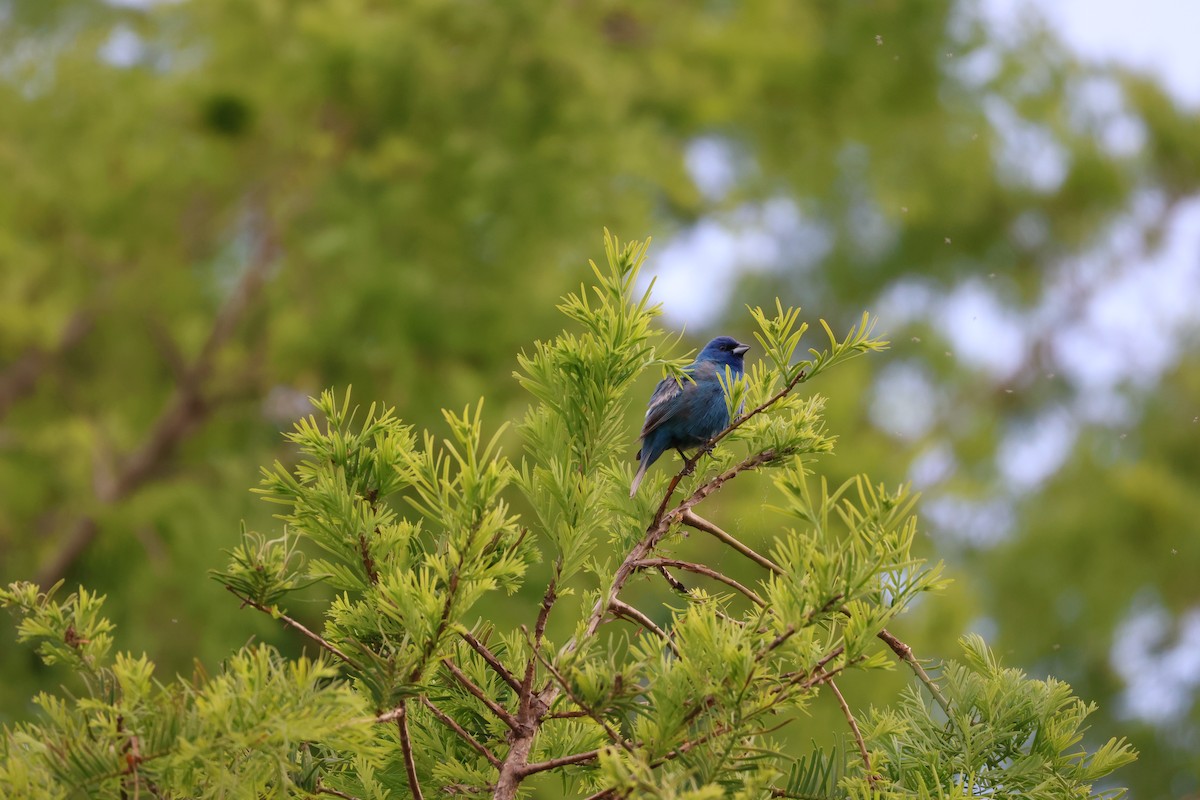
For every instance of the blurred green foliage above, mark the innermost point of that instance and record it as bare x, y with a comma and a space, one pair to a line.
211, 210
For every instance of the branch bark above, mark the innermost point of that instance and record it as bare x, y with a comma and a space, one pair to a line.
316, 637
449, 722
701, 569
410, 764
186, 409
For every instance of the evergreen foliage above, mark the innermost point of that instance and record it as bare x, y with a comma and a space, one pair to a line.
417, 692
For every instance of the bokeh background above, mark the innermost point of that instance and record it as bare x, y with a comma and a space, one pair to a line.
210, 210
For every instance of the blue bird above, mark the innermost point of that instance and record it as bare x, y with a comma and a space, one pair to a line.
688, 415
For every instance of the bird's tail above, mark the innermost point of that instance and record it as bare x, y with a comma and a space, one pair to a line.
637, 478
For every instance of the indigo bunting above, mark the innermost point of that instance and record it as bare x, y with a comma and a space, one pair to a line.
690, 414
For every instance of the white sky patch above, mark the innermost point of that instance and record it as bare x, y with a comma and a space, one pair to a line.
905, 401
712, 164
980, 523
1131, 327
1031, 453
906, 301
1159, 660
1098, 105
124, 48
985, 334
1154, 36
698, 268
1030, 155
932, 466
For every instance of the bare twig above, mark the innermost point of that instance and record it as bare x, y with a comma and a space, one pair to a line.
497, 709
449, 722
323, 789
615, 737
858, 739
316, 637
906, 655
693, 520
186, 409
573, 714
493, 662
622, 609
539, 631
678, 586
22, 374
410, 764
701, 569
561, 761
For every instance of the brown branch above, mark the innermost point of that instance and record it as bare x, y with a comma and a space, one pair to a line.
493, 662
693, 520
615, 737
323, 789
575, 714
858, 739
657, 529
561, 761
23, 373
500, 712
701, 569
410, 764
678, 586
788, 633
449, 722
906, 655
539, 631
806, 679
316, 637
622, 609
184, 411
603, 794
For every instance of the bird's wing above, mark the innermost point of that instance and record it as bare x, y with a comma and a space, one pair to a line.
664, 404
669, 397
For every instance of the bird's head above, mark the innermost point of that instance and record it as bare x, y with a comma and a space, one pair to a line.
724, 350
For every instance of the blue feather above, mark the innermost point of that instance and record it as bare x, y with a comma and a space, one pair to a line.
682, 417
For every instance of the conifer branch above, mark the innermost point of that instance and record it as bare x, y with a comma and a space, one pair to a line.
449, 722
410, 764
490, 657
323, 789
591, 712
501, 713
906, 655
561, 761
701, 569
364, 545
572, 714
678, 586
693, 520
316, 637
858, 739
440, 628
539, 631
622, 609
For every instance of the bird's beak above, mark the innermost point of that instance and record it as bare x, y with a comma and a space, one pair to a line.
741, 349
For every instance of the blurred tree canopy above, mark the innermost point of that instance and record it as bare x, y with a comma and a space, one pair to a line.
211, 210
